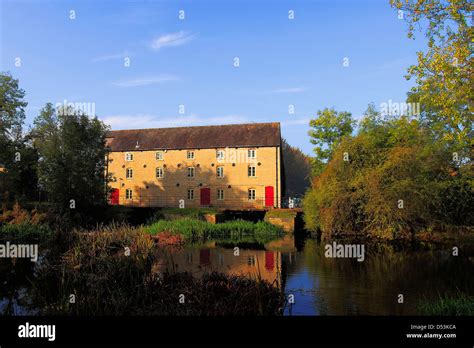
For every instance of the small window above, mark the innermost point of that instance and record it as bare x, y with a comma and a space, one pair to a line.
129, 156
252, 194
252, 154
252, 171
190, 172
128, 194
220, 194
190, 155
159, 172
220, 172
190, 194
129, 173
251, 260
159, 156
220, 155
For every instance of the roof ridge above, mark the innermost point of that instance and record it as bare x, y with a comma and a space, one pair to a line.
214, 125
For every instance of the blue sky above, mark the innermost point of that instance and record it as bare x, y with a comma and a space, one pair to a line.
190, 62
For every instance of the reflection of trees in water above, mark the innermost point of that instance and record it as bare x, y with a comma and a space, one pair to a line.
14, 284
346, 286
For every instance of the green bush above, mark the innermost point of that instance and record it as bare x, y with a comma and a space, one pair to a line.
25, 232
390, 183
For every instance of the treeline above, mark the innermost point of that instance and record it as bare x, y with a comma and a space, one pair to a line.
60, 160
392, 175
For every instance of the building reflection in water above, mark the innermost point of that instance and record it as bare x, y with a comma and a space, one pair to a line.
265, 264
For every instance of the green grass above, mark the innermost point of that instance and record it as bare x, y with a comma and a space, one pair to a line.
179, 213
195, 230
284, 214
462, 304
25, 233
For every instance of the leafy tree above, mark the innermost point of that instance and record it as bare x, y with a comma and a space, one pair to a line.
297, 170
18, 158
12, 108
327, 131
444, 73
72, 158
396, 183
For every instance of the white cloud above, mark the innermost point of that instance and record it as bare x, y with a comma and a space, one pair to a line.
110, 57
287, 90
173, 39
145, 81
138, 121
295, 122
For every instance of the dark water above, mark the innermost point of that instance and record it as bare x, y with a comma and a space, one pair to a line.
337, 286
298, 266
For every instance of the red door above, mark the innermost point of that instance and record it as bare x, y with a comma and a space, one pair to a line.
269, 198
205, 196
114, 196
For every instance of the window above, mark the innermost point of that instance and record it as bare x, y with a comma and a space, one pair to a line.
220, 155
159, 156
252, 154
190, 155
159, 172
129, 156
252, 171
128, 194
129, 173
251, 260
190, 194
220, 194
220, 172
190, 172
251, 194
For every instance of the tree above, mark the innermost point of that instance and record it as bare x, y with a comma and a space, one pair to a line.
72, 159
297, 169
12, 108
444, 73
17, 156
398, 180
326, 132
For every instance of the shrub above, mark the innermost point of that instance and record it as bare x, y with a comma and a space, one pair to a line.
25, 233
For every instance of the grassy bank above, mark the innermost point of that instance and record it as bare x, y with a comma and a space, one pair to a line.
179, 213
107, 281
231, 231
462, 304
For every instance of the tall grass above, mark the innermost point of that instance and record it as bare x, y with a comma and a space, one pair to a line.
461, 304
230, 231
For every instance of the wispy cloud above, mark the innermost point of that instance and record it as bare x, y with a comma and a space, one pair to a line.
172, 39
145, 81
287, 90
137, 121
295, 122
110, 57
